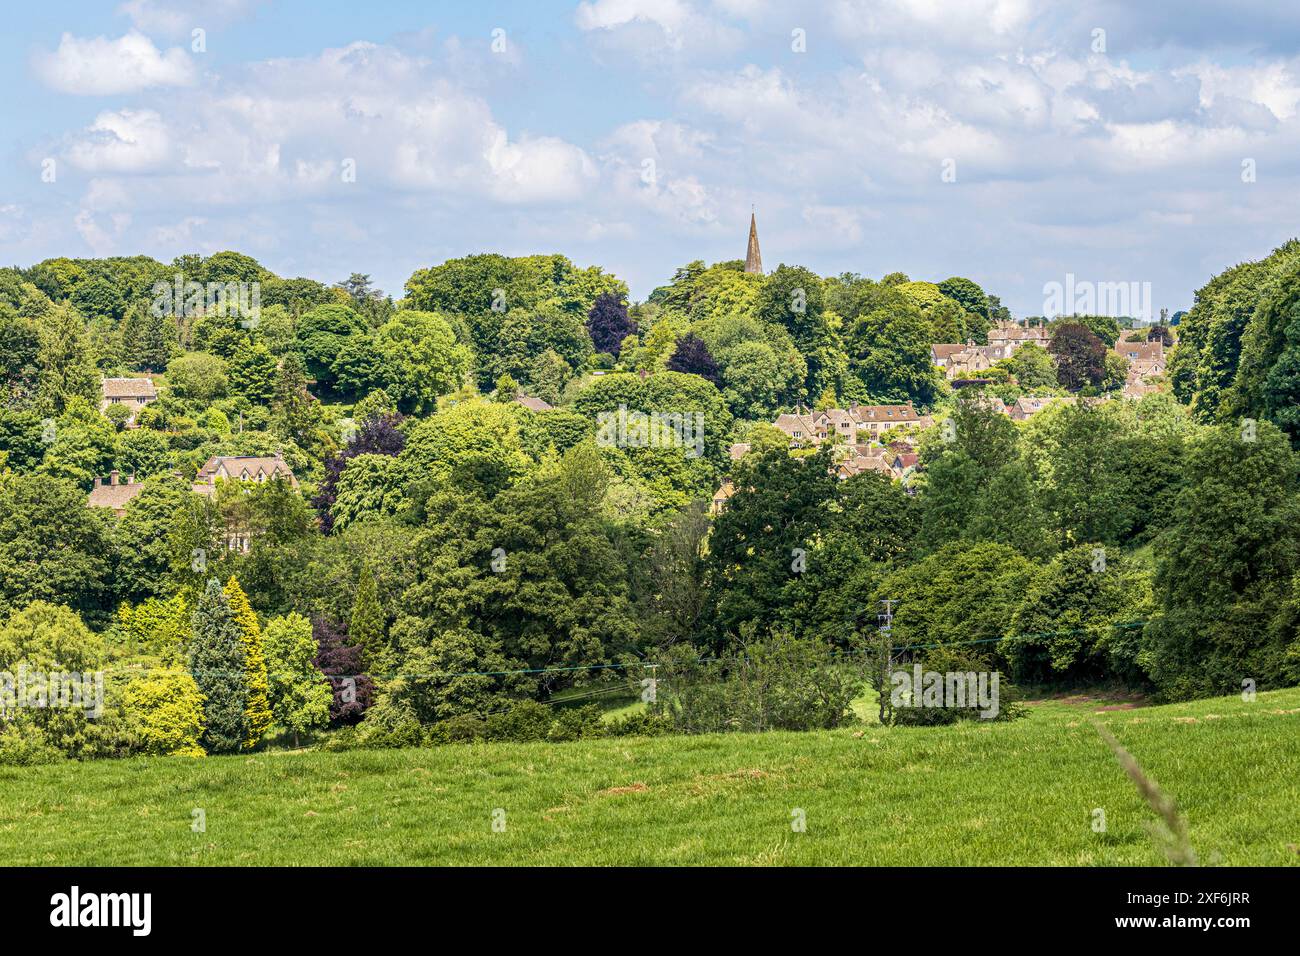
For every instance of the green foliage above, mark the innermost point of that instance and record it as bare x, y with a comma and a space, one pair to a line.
44, 645
366, 628
1072, 622
217, 662
258, 707
65, 365
962, 595
779, 683
252, 372
1225, 568
197, 376
421, 358
299, 697
52, 547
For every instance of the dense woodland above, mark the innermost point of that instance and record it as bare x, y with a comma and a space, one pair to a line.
454, 564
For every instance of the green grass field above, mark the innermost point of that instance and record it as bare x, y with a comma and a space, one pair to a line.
1013, 793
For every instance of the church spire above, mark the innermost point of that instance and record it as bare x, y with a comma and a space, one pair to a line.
753, 258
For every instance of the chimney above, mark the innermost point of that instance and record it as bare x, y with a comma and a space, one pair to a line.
98, 482
112, 477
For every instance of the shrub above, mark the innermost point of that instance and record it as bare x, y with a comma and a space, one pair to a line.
24, 745
462, 729
166, 709
781, 683
643, 724
390, 724
576, 723
946, 660
526, 720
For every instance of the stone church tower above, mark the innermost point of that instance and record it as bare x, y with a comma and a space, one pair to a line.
753, 258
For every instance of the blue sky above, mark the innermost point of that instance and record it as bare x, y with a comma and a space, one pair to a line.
1102, 139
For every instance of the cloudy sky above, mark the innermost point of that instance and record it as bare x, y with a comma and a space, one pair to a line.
1012, 141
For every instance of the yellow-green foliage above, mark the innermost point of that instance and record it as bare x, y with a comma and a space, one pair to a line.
160, 627
166, 708
258, 709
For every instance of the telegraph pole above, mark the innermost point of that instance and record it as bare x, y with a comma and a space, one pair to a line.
885, 656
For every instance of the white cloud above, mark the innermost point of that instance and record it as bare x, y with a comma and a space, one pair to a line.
648, 29
126, 141
177, 18
99, 66
102, 241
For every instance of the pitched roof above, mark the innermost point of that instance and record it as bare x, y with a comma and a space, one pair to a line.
876, 413
115, 496
242, 467
128, 388
534, 404
945, 350
1141, 351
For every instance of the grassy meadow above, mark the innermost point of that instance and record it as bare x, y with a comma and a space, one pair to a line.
1012, 793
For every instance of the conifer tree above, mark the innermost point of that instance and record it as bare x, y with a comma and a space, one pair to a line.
257, 706
216, 661
367, 625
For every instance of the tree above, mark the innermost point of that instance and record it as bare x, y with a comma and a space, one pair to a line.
753, 557
252, 372
19, 352
52, 547
98, 298
693, 357
325, 333
65, 359
1081, 489
352, 692
257, 709
1226, 567
377, 435
83, 445
794, 298
1033, 369
1080, 356
1071, 622
142, 547
48, 639
148, 340
963, 593
300, 697
216, 661
197, 376
608, 323
969, 296
166, 708
422, 359
889, 356
547, 376
367, 625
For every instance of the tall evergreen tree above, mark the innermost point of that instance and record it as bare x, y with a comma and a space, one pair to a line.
66, 360
257, 706
216, 661
367, 625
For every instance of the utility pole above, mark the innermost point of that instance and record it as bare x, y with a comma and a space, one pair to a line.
884, 657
